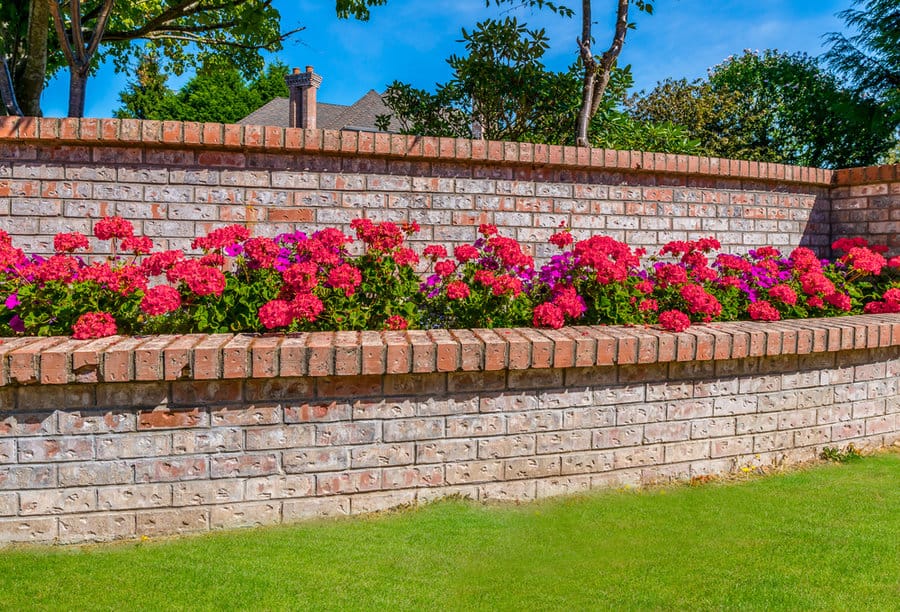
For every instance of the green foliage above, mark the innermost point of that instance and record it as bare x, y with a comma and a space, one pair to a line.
836, 455
870, 57
216, 93
501, 90
773, 107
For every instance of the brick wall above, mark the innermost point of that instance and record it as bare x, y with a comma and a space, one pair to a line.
866, 202
179, 180
124, 437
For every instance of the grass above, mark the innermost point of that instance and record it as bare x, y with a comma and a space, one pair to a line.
824, 538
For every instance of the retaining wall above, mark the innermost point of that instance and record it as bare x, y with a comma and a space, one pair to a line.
125, 437
179, 180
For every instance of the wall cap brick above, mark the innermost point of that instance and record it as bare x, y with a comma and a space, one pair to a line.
31, 361
222, 137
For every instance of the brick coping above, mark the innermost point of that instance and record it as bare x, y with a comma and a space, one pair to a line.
89, 132
62, 360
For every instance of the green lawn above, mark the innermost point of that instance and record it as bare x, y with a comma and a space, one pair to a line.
826, 538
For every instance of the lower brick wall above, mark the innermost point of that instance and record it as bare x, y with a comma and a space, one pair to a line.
102, 460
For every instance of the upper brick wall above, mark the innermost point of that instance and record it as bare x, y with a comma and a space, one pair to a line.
175, 181
866, 202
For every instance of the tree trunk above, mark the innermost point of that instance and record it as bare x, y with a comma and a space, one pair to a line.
31, 82
7, 94
590, 71
596, 75
78, 76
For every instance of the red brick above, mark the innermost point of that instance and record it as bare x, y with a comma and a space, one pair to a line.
398, 353
329, 387
118, 360
264, 356
471, 349
424, 351
585, 345
8, 345
292, 355
648, 345
541, 347
236, 357
55, 362
208, 356
495, 349
347, 353
24, 362
687, 347
373, 355
606, 346
167, 418
253, 136
274, 137
177, 356
519, 349
563, 348
148, 364
320, 354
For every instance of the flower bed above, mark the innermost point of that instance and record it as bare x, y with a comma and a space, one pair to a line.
331, 281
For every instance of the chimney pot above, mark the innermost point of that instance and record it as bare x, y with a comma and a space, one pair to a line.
309, 68
296, 71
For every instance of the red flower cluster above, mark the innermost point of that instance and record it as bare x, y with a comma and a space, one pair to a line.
864, 261
261, 252
457, 290
381, 237
94, 325
160, 300
700, 302
465, 252
202, 280
396, 323
345, 278
674, 320
68, 243
139, 245
221, 238
612, 260
763, 311
549, 315
113, 227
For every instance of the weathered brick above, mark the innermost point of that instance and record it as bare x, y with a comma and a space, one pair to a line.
57, 501
168, 522
215, 440
348, 482
96, 527
31, 529
95, 473
247, 464
371, 456
474, 472
134, 496
41, 450
170, 469
315, 460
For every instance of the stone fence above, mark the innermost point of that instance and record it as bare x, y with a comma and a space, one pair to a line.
176, 181
126, 437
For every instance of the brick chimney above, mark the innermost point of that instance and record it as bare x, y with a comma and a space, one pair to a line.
303, 86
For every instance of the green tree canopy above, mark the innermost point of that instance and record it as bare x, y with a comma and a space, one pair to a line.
870, 57
501, 90
774, 107
216, 93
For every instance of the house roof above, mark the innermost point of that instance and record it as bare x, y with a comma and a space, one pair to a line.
360, 115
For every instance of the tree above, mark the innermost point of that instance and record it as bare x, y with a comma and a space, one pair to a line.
217, 93
501, 90
598, 69
774, 107
870, 58
40, 37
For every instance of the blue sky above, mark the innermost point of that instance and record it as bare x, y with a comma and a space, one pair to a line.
409, 40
